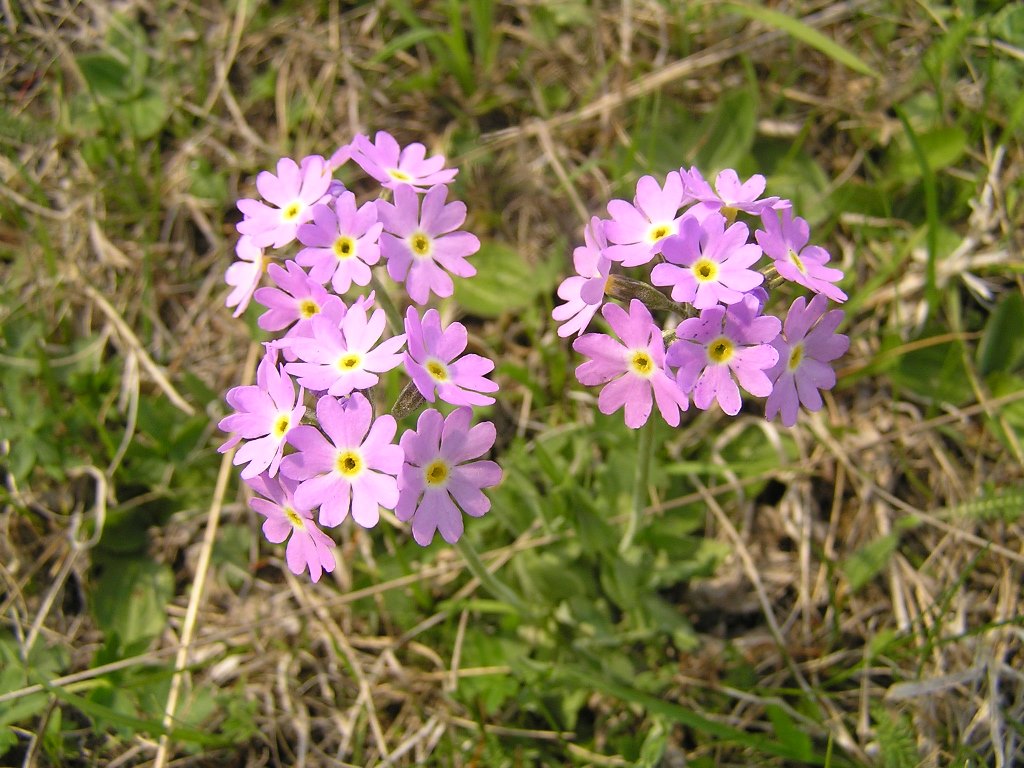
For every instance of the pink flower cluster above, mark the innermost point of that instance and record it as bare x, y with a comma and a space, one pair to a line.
719, 281
312, 445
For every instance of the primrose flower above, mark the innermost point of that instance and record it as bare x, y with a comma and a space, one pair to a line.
784, 240
244, 275
394, 166
295, 299
707, 263
439, 476
630, 370
341, 243
309, 547
294, 190
265, 413
808, 344
584, 291
418, 243
340, 359
639, 229
353, 469
721, 343
430, 356
729, 195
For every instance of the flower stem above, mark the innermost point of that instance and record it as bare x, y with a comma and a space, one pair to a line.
644, 449
490, 582
381, 297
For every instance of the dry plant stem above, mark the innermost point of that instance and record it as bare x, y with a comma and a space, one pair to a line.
490, 582
198, 584
644, 449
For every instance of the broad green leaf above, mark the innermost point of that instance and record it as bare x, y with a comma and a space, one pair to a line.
106, 76
130, 598
805, 34
1002, 344
941, 148
146, 115
504, 282
788, 732
868, 561
728, 132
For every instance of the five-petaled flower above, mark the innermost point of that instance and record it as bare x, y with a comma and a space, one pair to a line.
431, 361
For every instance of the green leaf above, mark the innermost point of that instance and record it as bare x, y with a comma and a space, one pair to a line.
868, 561
146, 115
106, 76
789, 732
728, 132
805, 34
131, 596
936, 149
1002, 344
403, 41
504, 281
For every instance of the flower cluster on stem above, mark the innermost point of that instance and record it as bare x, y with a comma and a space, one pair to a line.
314, 449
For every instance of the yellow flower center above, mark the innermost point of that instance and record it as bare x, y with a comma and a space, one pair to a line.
705, 270
436, 472
797, 262
344, 247
281, 425
729, 212
291, 211
721, 350
294, 518
438, 370
641, 363
308, 308
796, 356
348, 463
420, 244
658, 231
398, 175
349, 362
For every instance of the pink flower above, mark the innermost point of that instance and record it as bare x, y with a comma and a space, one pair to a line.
429, 361
342, 359
244, 275
265, 413
707, 263
417, 244
709, 354
808, 344
355, 470
584, 292
729, 194
309, 547
342, 243
630, 370
295, 299
439, 477
294, 190
394, 166
638, 229
783, 240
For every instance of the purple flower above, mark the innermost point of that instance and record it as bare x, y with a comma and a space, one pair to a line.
630, 370
265, 413
295, 299
341, 359
417, 244
709, 355
294, 190
430, 356
342, 243
584, 292
394, 166
707, 263
309, 547
354, 471
729, 195
638, 229
244, 275
784, 241
436, 480
808, 344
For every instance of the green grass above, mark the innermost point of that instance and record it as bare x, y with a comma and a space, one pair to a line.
884, 533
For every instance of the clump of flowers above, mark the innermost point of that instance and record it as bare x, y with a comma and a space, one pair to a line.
724, 282
315, 449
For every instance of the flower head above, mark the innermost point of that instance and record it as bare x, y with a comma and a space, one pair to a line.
353, 469
421, 244
341, 244
439, 476
808, 344
783, 239
294, 190
394, 166
638, 229
583, 293
431, 361
296, 298
309, 548
244, 275
720, 344
729, 196
632, 369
